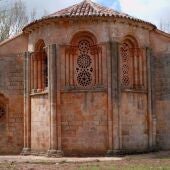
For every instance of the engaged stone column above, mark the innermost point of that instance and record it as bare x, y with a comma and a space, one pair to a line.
35, 73
151, 115
32, 72
39, 72
27, 104
113, 95
52, 79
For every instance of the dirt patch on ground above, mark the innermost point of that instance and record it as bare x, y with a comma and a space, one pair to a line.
152, 161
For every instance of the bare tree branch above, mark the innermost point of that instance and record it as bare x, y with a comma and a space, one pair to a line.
13, 17
164, 25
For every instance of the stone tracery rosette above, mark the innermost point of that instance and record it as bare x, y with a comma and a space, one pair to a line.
83, 64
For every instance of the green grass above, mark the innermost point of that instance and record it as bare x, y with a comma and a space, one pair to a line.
124, 168
7, 166
146, 168
90, 168
128, 164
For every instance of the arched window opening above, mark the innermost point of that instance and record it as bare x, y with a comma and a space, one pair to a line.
3, 108
39, 68
132, 64
83, 62
2, 111
45, 71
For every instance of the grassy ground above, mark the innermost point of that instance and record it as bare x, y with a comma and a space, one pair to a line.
116, 165
135, 162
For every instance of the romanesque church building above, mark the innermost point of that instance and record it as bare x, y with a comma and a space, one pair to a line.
86, 80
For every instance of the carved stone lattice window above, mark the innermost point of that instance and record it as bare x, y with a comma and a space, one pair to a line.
132, 65
84, 64
2, 112
125, 54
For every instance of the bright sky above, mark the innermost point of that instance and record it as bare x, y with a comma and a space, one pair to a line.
148, 10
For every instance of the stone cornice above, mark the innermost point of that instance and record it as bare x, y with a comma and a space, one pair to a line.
85, 20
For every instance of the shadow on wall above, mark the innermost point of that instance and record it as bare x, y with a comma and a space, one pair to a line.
162, 76
3, 123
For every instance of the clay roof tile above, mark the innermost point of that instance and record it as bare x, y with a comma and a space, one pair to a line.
88, 8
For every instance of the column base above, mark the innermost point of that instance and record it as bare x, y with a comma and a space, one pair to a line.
55, 153
111, 153
26, 151
154, 149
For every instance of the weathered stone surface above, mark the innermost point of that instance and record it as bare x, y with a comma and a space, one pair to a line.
134, 122
40, 123
11, 94
107, 92
84, 123
162, 99
12, 88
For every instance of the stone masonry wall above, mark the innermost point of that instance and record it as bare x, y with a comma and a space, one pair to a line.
12, 94
134, 127
40, 123
11, 86
161, 81
84, 123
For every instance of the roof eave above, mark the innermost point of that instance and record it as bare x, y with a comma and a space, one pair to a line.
165, 34
11, 38
152, 26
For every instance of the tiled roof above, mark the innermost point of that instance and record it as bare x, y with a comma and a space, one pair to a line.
87, 8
